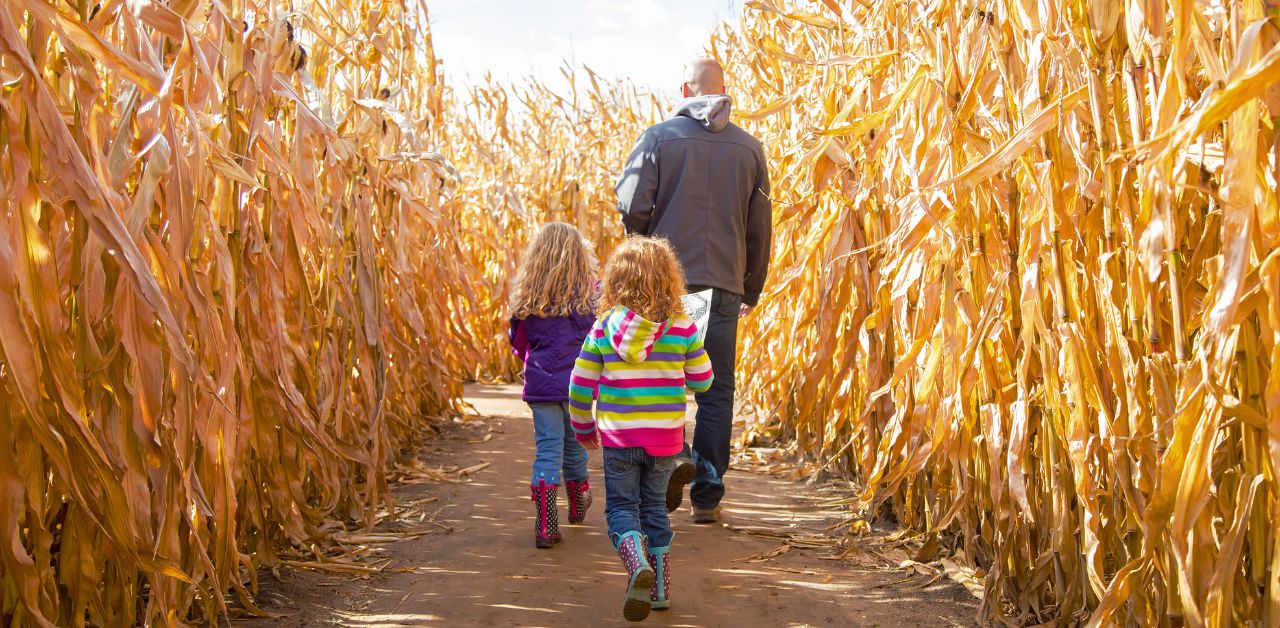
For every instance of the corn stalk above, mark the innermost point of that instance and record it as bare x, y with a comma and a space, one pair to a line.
217, 326
1025, 288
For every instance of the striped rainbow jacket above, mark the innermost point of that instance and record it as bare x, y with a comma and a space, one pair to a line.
636, 371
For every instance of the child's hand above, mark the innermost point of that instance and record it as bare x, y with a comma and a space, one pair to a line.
591, 443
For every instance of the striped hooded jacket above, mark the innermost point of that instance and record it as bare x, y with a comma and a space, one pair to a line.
636, 371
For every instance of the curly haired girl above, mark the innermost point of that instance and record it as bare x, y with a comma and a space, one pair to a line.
635, 364
552, 308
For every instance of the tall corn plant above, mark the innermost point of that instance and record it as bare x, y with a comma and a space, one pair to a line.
1025, 282
217, 324
529, 154
1027, 288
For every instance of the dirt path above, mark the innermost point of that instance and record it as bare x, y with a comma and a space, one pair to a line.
486, 572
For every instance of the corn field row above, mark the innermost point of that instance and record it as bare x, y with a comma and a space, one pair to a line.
529, 154
1026, 286
217, 326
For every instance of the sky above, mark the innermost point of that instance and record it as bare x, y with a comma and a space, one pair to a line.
648, 41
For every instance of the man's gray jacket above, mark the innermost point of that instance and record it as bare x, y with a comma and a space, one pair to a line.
702, 183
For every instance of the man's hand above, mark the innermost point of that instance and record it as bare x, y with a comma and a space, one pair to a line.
745, 310
591, 443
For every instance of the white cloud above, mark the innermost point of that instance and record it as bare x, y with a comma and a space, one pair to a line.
645, 14
606, 23
633, 14
647, 41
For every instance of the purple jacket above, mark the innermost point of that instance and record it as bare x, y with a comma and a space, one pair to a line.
549, 347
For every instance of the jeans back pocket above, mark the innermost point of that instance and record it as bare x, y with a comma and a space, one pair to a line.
664, 464
617, 460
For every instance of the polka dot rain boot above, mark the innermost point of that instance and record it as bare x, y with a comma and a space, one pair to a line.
633, 551
546, 530
579, 494
659, 595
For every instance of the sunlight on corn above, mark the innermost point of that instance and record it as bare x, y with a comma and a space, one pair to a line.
1027, 288
547, 156
1026, 284
218, 328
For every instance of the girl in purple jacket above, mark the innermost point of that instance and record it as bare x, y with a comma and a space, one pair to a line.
552, 309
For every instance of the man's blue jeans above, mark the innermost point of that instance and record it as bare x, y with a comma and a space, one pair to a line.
714, 429
557, 448
635, 492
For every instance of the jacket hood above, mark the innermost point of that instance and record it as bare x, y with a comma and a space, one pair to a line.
711, 110
631, 335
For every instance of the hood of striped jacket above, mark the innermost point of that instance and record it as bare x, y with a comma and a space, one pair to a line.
632, 335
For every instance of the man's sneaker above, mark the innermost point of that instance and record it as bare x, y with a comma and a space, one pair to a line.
706, 515
682, 475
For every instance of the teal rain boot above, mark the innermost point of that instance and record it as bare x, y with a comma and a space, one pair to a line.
633, 550
660, 594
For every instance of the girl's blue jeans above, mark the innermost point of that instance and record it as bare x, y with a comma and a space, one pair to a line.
635, 492
557, 449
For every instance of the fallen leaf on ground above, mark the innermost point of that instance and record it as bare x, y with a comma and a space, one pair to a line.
769, 555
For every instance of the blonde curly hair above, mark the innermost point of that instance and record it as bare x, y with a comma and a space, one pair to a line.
644, 275
557, 274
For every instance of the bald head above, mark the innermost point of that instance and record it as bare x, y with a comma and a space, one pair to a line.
703, 77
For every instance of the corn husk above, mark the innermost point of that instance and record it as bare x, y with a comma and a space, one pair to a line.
1025, 289
218, 329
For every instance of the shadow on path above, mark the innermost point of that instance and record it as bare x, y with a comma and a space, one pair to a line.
487, 572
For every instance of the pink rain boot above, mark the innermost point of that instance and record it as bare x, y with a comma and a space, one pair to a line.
579, 494
546, 531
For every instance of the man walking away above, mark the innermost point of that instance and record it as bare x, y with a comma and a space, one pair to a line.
702, 183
